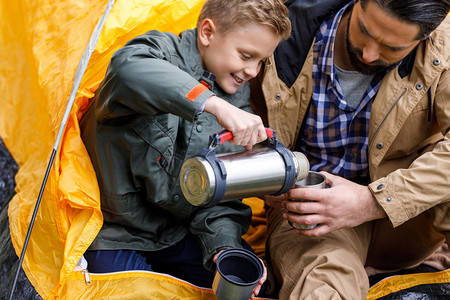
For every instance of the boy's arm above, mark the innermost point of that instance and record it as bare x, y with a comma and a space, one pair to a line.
220, 227
142, 79
137, 83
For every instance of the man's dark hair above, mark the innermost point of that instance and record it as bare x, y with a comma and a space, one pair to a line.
427, 14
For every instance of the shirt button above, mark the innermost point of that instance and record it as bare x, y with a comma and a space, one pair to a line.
380, 187
380, 145
388, 199
199, 127
278, 96
419, 86
350, 155
437, 62
176, 198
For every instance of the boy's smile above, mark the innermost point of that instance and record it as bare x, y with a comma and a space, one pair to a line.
238, 80
236, 56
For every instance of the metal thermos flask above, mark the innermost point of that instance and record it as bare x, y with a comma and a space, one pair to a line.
207, 179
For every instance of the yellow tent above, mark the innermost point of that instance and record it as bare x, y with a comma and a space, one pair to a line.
41, 45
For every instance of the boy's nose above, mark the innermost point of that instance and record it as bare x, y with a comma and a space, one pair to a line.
252, 70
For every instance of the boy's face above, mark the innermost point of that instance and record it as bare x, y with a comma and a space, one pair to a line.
237, 56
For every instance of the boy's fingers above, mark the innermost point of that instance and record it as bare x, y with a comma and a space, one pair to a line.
262, 133
253, 139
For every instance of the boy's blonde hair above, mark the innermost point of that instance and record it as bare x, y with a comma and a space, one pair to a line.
230, 14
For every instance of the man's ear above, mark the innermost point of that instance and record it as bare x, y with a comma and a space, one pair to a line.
206, 31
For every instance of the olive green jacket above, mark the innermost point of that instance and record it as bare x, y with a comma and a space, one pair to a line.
138, 131
409, 131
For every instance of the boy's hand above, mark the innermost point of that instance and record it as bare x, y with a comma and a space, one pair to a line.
260, 282
247, 129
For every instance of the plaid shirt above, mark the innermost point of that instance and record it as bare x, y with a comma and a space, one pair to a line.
335, 136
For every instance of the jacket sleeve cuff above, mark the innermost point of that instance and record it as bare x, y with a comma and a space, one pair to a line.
212, 246
386, 197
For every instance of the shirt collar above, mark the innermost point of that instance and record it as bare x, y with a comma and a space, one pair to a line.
325, 41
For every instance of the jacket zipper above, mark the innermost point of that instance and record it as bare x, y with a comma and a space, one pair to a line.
87, 277
82, 266
389, 112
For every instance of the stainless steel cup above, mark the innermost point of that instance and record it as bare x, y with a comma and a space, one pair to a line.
237, 274
314, 180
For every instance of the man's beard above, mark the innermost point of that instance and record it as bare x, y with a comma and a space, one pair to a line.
355, 53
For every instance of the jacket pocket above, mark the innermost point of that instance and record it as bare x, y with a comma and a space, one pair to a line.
158, 164
155, 132
414, 133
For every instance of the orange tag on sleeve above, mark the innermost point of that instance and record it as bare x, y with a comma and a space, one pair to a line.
196, 91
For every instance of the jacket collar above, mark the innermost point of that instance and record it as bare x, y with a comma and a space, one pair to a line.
188, 45
407, 64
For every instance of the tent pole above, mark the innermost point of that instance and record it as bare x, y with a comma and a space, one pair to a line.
30, 227
82, 65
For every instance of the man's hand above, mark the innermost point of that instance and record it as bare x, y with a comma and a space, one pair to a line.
344, 204
275, 201
247, 129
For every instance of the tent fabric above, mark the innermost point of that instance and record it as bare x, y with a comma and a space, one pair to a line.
413, 286
41, 44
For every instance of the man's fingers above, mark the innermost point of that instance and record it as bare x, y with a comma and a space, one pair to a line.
320, 230
331, 179
307, 219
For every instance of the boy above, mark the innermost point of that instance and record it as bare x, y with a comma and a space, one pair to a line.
162, 97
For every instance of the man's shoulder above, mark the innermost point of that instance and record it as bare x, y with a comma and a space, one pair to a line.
315, 5
442, 32
313, 10
446, 23
306, 17
441, 39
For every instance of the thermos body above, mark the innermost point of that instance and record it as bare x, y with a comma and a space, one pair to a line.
257, 172
266, 176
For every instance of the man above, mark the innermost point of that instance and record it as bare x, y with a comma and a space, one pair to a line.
363, 90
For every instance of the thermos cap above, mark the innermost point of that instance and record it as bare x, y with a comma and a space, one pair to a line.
197, 180
302, 165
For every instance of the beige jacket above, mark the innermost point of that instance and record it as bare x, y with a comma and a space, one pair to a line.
409, 156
